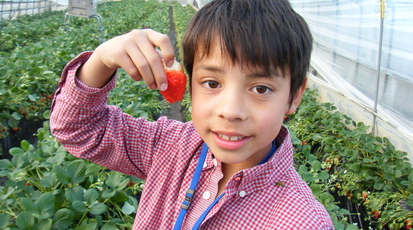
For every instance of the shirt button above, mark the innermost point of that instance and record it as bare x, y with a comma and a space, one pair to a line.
242, 193
206, 195
237, 178
215, 162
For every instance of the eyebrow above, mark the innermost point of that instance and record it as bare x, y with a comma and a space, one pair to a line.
252, 74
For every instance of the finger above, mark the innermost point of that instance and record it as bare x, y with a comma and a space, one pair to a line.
163, 42
155, 62
141, 64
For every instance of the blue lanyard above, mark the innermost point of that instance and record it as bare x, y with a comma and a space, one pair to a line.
190, 192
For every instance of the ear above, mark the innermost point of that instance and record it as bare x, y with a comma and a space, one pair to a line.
297, 98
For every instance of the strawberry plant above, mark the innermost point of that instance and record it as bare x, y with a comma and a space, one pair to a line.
366, 170
47, 188
31, 70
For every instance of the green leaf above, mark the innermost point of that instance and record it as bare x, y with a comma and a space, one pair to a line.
45, 203
97, 208
128, 208
4, 164
79, 205
76, 169
411, 177
4, 220
316, 165
108, 193
355, 167
113, 180
29, 205
92, 169
316, 188
323, 175
378, 185
12, 122
62, 175
45, 224
63, 218
91, 195
74, 194
16, 116
344, 211
25, 220
25, 145
87, 226
15, 150
33, 97
398, 173
46, 114
352, 227
109, 226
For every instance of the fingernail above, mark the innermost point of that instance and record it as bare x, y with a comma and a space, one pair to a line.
153, 86
164, 86
170, 63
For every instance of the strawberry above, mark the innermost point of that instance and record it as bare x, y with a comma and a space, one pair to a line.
176, 83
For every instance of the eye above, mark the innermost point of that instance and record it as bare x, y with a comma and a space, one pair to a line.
261, 89
211, 84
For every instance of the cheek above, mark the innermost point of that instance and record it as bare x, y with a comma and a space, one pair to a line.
271, 120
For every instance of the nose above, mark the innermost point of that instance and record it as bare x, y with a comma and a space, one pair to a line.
232, 105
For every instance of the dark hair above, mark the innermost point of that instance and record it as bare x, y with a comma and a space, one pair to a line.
265, 34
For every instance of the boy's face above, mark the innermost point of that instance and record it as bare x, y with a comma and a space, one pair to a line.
238, 111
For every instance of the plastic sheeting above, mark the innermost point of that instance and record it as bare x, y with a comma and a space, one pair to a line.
349, 52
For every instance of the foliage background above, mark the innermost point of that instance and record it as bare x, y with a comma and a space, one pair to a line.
362, 180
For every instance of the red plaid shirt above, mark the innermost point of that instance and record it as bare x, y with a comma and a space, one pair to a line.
165, 154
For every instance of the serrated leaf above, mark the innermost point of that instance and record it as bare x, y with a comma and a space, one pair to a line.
62, 175
75, 193
77, 171
63, 218
4, 220
97, 208
45, 224
45, 203
29, 205
79, 205
25, 220
91, 195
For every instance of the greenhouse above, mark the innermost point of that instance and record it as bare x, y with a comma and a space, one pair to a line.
352, 134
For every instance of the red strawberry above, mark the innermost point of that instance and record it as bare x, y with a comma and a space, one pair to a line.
176, 83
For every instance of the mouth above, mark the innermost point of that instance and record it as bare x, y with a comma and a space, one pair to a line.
230, 138
230, 141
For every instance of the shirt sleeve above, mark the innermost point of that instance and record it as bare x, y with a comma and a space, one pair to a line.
88, 128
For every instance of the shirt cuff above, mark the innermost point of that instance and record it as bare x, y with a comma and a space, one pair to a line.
71, 89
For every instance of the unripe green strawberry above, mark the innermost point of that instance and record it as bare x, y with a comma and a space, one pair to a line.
176, 83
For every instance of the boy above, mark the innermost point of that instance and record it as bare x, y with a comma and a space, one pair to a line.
232, 166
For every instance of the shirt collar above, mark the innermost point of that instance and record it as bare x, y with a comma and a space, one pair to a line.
272, 172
